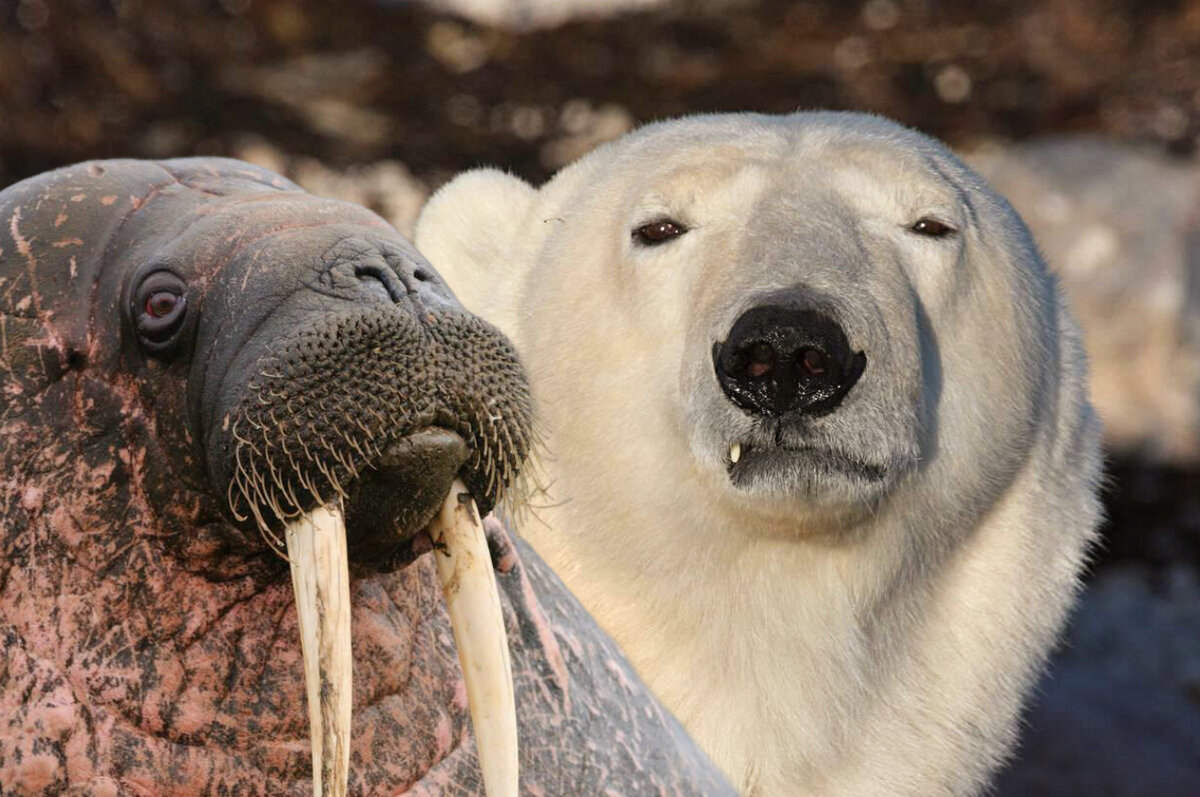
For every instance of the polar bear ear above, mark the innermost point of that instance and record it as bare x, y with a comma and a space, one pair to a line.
467, 229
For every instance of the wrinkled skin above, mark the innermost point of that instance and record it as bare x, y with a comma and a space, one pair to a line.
148, 639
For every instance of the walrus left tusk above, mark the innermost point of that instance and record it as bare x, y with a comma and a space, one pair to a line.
469, 583
316, 546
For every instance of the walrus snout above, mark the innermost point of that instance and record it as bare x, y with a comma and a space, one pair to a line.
358, 268
785, 358
399, 494
380, 406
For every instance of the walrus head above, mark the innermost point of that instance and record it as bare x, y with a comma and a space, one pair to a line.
199, 357
313, 354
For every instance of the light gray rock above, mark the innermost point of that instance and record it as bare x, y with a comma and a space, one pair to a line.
1121, 225
1119, 714
531, 14
1091, 737
386, 187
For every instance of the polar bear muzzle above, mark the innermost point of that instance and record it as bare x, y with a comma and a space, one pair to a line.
787, 358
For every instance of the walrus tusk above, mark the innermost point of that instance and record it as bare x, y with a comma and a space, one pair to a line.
316, 546
465, 569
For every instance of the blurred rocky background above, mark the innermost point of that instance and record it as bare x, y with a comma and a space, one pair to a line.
1085, 112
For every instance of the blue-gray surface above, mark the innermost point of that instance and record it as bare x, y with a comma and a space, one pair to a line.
1119, 715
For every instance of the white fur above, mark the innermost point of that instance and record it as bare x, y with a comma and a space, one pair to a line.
815, 637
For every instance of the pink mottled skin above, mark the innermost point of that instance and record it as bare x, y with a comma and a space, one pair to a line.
143, 657
148, 644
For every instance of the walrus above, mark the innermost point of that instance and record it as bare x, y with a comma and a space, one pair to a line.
824, 462
198, 362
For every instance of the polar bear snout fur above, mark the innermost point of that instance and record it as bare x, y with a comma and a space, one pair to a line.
819, 387
786, 363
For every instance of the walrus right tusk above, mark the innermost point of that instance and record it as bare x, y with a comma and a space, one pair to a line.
316, 545
465, 569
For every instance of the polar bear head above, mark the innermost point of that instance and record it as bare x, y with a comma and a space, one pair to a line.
802, 312
820, 453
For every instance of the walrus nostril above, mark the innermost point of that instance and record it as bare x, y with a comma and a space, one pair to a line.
381, 281
781, 359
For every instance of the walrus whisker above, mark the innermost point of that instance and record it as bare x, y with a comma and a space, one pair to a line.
383, 422
307, 484
236, 482
257, 478
291, 496
332, 480
308, 456
287, 452
261, 524
275, 477
361, 427
338, 457
510, 446
322, 468
253, 491
341, 459
354, 443
276, 507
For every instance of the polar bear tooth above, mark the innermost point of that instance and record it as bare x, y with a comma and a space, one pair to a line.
735, 452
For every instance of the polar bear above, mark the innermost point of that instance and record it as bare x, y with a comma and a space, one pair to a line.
821, 456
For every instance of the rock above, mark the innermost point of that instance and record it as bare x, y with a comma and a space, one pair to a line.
582, 128
324, 89
1092, 737
386, 187
1121, 225
1119, 713
532, 14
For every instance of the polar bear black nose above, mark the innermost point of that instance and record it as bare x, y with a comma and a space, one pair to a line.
779, 360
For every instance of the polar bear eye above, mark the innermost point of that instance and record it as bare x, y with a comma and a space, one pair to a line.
932, 228
657, 232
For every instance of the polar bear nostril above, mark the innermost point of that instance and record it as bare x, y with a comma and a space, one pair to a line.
815, 362
762, 360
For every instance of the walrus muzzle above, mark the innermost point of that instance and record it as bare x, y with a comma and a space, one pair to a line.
371, 414
370, 405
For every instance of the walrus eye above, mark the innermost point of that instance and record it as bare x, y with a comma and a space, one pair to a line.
162, 303
160, 307
657, 232
932, 228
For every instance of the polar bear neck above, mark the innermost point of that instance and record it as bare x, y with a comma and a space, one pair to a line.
786, 634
